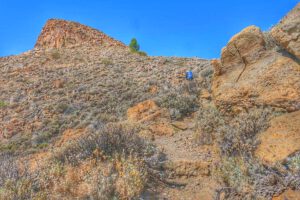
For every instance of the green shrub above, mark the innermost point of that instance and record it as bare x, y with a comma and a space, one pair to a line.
106, 62
142, 53
55, 55
134, 46
2, 104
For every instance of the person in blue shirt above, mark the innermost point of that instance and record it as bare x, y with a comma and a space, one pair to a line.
189, 75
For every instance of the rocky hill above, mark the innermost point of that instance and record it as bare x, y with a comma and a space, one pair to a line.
61, 34
83, 117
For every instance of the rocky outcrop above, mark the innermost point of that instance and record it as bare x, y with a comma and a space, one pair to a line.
244, 48
281, 139
254, 71
61, 33
288, 195
146, 111
158, 120
287, 32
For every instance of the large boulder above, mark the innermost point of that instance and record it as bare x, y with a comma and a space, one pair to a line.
253, 71
287, 32
243, 48
281, 139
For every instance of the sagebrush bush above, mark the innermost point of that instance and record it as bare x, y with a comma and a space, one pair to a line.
132, 176
249, 179
55, 55
238, 137
245, 175
208, 121
2, 104
233, 172
293, 162
14, 182
110, 140
114, 146
179, 105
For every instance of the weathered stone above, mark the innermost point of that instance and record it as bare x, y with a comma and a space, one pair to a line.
157, 119
249, 74
281, 139
217, 67
61, 33
288, 195
287, 32
180, 125
146, 111
243, 48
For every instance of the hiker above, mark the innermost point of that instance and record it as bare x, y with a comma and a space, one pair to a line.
189, 75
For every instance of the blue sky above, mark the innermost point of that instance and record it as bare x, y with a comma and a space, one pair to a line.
162, 27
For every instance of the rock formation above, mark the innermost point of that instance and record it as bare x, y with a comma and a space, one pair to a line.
157, 119
287, 32
255, 71
281, 139
288, 195
61, 33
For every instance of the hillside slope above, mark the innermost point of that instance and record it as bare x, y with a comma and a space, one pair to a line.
82, 117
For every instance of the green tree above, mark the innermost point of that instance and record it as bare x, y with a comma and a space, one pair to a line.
134, 46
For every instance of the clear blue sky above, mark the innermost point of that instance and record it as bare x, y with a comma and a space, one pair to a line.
163, 27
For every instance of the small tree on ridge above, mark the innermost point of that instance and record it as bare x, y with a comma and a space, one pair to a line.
134, 46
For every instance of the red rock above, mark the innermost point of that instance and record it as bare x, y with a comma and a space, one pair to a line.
61, 33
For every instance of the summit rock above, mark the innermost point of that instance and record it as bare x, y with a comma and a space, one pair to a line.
62, 33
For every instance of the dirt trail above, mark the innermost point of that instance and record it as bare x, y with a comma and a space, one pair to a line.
187, 165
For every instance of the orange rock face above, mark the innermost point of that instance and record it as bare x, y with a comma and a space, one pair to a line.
146, 111
246, 46
288, 195
157, 119
253, 73
281, 139
61, 33
287, 32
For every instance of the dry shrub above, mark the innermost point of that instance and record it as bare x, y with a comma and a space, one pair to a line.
238, 136
114, 146
14, 182
179, 105
208, 121
109, 140
124, 178
244, 175
250, 179
234, 173
55, 55
132, 176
